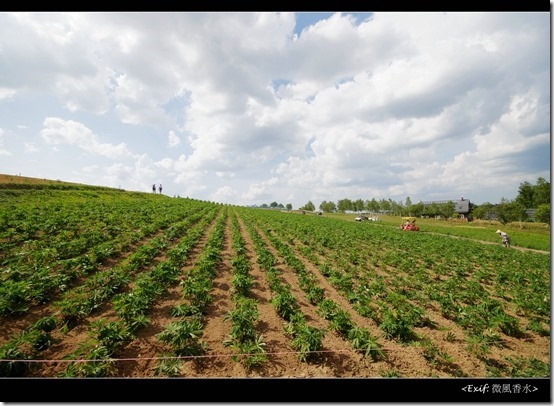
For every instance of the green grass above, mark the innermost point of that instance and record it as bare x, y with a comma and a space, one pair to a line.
526, 234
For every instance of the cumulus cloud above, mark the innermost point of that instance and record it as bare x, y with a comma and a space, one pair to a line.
30, 147
6, 93
172, 139
251, 108
225, 194
58, 131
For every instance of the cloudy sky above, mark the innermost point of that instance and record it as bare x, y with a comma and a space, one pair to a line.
250, 108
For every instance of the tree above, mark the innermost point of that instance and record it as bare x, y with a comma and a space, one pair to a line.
308, 206
508, 211
396, 207
359, 205
447, 210
289, 206
525, 196
385, 205
432, 209
417, 209
373, 205
532, 196
273, 205
327, 207
543, 213
484, 211
541, 193
345, 204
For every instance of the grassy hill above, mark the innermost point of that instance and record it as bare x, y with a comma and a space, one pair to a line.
14, 182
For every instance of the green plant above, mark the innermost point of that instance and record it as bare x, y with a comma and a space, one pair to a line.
341, 322
184, 336
15, 366
168, 366
395, 325
243, 318
308, 341
97, 363
285, 304
111, 334
363, 341
251, 352
390, 373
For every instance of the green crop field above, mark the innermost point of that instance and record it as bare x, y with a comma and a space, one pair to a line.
101, 282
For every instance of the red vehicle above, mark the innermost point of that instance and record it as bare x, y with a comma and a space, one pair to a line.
409, 224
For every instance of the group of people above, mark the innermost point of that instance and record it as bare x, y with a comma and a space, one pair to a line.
154, 188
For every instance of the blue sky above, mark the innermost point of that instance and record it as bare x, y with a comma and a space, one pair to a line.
250, 108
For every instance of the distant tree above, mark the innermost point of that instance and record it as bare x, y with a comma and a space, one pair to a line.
542, 214
308, 206
525, 196
358, 205
396, 207
416, 209
345, 204
273, 205
327, 207
532, 196
373, 205
289, 206
485, 211
265, 206
508, 211
385, 205
447, 210
432, 209
541, 193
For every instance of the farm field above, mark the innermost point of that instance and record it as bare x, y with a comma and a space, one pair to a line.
100, 282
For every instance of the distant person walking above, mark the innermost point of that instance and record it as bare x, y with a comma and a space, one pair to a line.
154, 188
505, 238
160, 188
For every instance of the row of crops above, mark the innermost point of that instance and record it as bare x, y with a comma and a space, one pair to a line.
88, 275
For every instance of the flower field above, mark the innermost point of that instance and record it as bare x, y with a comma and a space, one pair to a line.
98, 282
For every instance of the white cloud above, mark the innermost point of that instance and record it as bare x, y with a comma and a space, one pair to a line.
173, 139
260, 191
439, 105
58, 131
225, 194
30, 147
7, 93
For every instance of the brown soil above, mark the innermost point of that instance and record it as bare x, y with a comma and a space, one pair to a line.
141, 356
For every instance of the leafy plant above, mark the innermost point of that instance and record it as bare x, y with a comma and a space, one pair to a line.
285, 304
184, 336
14, 367
363, 341
168, 367
111, 334
308, 340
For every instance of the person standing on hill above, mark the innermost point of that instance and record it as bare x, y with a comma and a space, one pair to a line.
160, 188
505, 238
154, 188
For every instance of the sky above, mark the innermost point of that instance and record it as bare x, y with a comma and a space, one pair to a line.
248, 108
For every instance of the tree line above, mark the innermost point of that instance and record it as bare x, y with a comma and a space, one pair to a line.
529, 196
